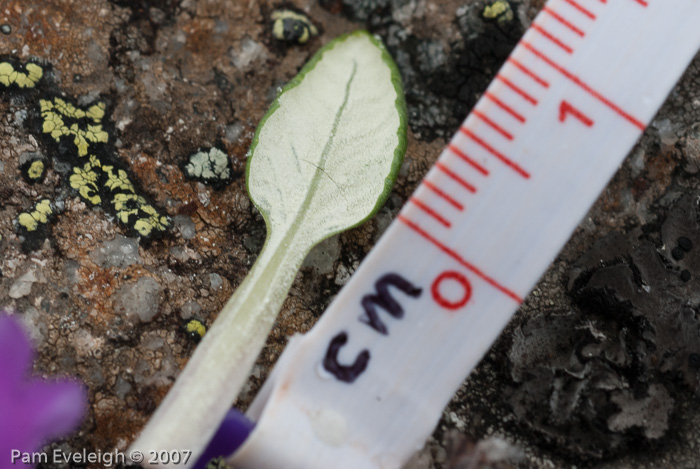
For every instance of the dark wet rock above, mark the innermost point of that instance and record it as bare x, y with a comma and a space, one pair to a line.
602, 377
444, 81
362, 10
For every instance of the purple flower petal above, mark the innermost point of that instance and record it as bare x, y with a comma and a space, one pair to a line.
15, 353
231, 434
56, 407
34, 410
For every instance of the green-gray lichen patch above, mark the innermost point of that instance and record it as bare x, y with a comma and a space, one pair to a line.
211, 167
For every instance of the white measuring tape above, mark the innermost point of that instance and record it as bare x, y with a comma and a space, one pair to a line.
367, 385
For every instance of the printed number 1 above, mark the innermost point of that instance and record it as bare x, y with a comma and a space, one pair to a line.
566, 108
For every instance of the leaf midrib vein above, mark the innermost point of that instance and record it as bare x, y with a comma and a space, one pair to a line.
320, 171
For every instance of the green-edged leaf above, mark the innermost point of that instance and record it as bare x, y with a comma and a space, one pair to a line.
326, 154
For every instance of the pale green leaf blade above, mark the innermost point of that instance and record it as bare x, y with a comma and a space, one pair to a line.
325, 156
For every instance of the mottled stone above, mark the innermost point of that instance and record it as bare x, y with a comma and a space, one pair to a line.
185, 226
139, 300
120, 252
23, 285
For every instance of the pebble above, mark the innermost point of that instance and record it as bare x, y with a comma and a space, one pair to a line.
234, 131
185, 225
189, 309
249, 52
322, 258
139, 299
120, 252
23, 285
215, 280
6, 29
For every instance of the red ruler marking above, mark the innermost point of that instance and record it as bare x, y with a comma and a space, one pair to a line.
580, 9
492, 124
528, 72
505, 107
644, 3
443, 194
504, 159
563, 21
455, 177
517, 89
636, 122
566, 108
552, 38
466, 158
430, 211
454, 255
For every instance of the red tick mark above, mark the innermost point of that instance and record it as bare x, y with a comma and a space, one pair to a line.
454, 255
469, 160
563, 20
504, 159
528, 72
643, 3
565, 108
517, 89
430, 211
580, 9
492, 124
505, 107
555, 40
455, 177
443, 194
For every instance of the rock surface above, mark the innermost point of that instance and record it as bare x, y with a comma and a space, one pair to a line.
600, 366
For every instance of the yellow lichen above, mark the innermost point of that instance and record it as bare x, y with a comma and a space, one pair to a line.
292, 26
39, 215
195, 328
119, 181
84, 180
128, 205
10, 76
499, 9
36, 170
95, 181
54, 113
